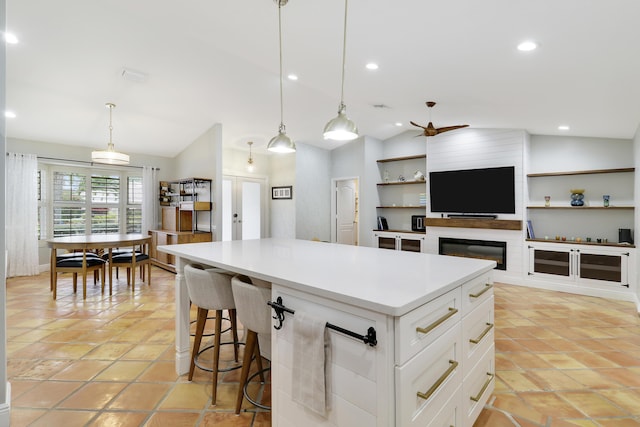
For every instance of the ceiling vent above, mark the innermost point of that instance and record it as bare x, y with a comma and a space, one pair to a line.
134, 76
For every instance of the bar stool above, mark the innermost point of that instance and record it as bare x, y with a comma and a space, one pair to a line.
255, 316
210, 289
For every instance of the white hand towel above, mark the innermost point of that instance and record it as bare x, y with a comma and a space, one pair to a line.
310, 359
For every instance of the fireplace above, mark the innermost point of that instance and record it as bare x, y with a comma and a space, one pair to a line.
483, 249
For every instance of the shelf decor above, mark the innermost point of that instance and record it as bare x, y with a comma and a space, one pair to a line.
577, 197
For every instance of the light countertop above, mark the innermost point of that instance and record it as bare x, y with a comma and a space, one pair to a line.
386, 281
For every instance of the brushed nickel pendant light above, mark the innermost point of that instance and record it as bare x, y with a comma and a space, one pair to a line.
110, 156
341, 128
281, 143
250, 166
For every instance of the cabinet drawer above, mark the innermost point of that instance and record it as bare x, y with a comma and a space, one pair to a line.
451, 413
426, 382
478, 386
476, 291
420, 327
477, 334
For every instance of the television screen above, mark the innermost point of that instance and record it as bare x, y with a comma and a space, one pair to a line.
473, 191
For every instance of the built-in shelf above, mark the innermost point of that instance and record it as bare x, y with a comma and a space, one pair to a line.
402, 231
582, 172
582, 207
397, 159
573, 242
494, 224
401, 182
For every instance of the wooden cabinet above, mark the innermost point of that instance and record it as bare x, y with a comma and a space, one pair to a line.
172, 237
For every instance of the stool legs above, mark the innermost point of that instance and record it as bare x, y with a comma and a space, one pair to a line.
201, 319
250, 348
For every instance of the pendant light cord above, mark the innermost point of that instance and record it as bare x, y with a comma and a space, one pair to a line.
280, 44
344, 52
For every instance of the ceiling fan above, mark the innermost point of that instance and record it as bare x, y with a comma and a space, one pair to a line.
431, 130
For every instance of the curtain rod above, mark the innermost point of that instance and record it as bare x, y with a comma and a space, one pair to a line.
88, 163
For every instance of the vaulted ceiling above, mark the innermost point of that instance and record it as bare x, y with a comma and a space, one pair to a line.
214, 61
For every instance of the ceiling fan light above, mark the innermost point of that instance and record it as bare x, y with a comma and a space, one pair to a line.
281, 143
341, 128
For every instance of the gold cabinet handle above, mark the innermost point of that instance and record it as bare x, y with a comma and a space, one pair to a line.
482, 335
427, 394
486, 288
452, 312
484, 388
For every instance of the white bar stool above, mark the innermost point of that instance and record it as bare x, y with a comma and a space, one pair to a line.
210, 289
255, 316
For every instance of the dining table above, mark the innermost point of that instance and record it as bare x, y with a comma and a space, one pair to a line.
87, 242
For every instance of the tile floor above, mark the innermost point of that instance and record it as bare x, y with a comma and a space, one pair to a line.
561, 360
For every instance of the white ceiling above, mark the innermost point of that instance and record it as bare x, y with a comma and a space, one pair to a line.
212, 61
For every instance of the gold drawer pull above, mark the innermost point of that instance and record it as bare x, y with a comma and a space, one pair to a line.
426, 395
485, 332
452, 312
486, 288
484, 388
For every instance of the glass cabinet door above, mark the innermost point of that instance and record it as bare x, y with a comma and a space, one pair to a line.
387, 242
552, 262
411, 245
601, 267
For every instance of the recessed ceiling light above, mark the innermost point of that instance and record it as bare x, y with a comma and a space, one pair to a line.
10, 114
372, 66
398, 124
292, 77
563, 127
527, 46
10, 38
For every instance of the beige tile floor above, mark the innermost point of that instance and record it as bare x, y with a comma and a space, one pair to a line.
561, 360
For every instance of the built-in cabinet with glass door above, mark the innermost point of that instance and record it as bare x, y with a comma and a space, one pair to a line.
580, 245
402, 209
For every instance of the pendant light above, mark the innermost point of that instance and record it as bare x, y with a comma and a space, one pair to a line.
341, 128
250, 166
281, 143
110, 156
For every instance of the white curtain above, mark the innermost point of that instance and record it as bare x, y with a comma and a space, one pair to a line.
21, 201
151, 197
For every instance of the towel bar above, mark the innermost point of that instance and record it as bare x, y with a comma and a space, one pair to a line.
280, 309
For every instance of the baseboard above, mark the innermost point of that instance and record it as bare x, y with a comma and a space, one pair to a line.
581, 290
5, 408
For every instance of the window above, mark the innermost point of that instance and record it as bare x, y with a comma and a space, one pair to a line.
87, 200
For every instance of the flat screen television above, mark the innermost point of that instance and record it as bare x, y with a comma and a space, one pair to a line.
473, 191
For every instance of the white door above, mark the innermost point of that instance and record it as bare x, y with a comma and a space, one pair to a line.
243, 211
347, 211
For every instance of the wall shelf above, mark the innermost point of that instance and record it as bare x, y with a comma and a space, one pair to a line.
581, 207
573, 242
397, 159
582, 172
401, 207
402, 183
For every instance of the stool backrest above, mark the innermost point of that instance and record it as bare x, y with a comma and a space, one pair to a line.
251, 305
209, 289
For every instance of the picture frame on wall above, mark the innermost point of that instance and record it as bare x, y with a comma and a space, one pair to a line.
283, 192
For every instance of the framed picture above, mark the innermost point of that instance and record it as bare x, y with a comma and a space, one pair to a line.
282, 192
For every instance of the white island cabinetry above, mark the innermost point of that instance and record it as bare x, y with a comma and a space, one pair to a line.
433, 362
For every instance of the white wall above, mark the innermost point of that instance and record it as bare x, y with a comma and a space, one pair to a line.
283, 212
636, 161
203, 159
5, 388
312, 193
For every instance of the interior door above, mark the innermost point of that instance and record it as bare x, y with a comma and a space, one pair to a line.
243, 207
347, 211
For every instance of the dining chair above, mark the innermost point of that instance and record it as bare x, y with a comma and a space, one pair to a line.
79, 264
130, 259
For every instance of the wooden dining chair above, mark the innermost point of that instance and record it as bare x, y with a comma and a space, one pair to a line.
78, 263
137, 257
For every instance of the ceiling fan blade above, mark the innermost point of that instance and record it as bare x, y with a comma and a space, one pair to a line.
448, 128
417, 125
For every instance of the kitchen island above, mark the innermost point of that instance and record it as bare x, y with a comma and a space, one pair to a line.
432, 315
